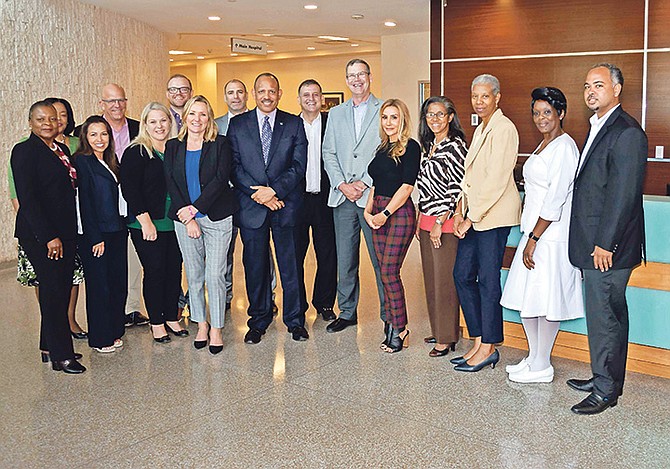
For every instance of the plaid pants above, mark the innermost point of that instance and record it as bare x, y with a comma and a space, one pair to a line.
391, 243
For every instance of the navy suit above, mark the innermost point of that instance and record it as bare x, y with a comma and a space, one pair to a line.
285, 174
107, 275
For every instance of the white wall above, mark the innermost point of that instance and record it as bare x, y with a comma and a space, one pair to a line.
68, 49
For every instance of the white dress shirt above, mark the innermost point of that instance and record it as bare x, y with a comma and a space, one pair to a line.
313, 173
596, 125
359, 115
261, 117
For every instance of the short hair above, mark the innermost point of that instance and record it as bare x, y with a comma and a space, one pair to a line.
486, 79
357, 61
108, 156
143, 138
395, 149
269, 75
308, 82
234, 80
68, 110
553, 96
35, 105
211, 131
615, 72
426, 135
179, 75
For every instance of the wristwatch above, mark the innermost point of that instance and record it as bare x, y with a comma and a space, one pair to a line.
438, 221
533, 237
386, 213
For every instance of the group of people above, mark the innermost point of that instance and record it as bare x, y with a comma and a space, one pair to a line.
183, 183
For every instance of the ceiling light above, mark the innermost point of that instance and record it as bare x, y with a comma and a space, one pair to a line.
234, 54
390, 23
200, 57
214, 18
354, 45
357, 16
311, 48
311, 7
180, 52
267, 34
334, 38
271, 52
171, 60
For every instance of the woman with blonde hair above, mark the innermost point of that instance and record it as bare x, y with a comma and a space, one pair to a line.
390, 213
197, 170
151, 230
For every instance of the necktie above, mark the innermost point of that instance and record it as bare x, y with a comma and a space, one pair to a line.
177, 119
266, 138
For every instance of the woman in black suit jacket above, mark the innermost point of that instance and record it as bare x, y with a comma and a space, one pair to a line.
46, 226
197, 169
103, 244
152, 232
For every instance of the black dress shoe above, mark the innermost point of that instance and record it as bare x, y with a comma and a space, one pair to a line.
491, 360
593, 404
299, 333
180, 333
253, 336
584, 385
47, 359
199, 344
340, 324
79, 335
70, 366
326, 313
162, 340
458, 360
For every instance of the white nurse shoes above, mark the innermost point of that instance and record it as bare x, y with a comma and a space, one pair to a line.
527, 376
518, 367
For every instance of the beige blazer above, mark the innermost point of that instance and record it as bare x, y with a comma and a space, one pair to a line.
490, 197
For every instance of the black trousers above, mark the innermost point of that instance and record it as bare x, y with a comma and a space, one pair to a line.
106, 279
161, 262
318, 216
607, 323
54, 295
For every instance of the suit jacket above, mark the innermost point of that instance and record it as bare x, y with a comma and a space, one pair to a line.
346, 158
143, 183
46, 197
607, 199
133, 128
216, 200
98, 199
489, 192
285, 171
222, 123
324, 192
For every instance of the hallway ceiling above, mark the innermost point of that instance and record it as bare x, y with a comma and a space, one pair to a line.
285, 25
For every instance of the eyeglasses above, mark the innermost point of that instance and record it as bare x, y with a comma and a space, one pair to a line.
175, 90
353, 76
440, 115
114, 101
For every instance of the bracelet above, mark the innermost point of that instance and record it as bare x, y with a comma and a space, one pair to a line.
438, 221
386, 213
533, 237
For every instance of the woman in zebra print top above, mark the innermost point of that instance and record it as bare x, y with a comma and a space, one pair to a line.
443, 143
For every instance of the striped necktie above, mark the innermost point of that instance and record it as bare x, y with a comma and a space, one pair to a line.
266, 138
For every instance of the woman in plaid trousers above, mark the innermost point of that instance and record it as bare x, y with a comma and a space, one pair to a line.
390, 213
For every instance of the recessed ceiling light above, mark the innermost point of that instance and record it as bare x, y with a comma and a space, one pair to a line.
390, 23
357, 16
214, 18
354, 45
234, 54
200, 57
180, 52
171, 60
334, 38
311, 7
271, 52
311, 48
267, 34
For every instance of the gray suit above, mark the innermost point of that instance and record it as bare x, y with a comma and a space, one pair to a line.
346, 159
222, 123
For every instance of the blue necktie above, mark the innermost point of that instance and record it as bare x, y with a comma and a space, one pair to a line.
177, 119
266, 138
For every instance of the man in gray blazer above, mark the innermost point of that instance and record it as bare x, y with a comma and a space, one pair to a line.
236, 96
352, 136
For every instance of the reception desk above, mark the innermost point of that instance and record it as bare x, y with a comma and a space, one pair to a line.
648, 297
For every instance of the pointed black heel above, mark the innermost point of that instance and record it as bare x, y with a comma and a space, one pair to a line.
490, 360
179, 333
398, 341
387, 336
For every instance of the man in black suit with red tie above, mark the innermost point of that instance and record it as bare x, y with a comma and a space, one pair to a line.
269, 159
607, 232
315, 212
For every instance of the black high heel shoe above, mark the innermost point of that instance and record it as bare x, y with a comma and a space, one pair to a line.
459, 360
160, 340
387, 336
179, 333
490, 360
71, 366
79, 335
214, 349
398, 341
46, 358
441, 353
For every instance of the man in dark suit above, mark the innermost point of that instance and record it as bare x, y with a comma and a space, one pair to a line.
315, 212
269, 159
607, 232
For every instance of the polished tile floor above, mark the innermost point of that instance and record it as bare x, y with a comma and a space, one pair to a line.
333, 401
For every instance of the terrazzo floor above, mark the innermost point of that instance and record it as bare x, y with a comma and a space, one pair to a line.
333, 401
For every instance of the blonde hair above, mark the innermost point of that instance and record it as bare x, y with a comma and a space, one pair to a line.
395, 149
143, 138
211, 131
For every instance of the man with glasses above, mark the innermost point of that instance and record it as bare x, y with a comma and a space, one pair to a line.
113, 103
179, 90
352, 136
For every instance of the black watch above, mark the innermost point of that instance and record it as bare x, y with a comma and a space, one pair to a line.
533, 237
386, 213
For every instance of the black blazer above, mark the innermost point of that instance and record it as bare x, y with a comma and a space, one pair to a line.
46, 197
98, 199
133, 128
285, 170
216, 200
143, 183
325, 181
607, 200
